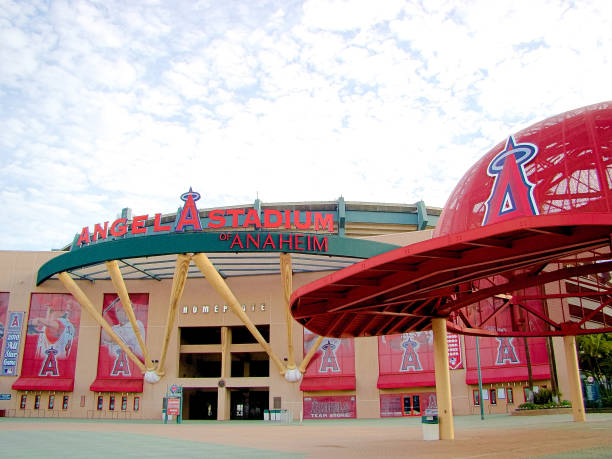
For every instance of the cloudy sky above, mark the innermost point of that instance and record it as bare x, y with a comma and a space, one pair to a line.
113, 104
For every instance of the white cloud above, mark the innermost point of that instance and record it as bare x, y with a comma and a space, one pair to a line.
111, 104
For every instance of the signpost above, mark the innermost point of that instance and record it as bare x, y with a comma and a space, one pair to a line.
173, 403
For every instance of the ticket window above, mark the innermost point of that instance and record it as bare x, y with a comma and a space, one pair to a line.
136, 403
22, 403
407, 405
412, 405
111, 403
65, 403
476, 397
37, 402
493, 397
124, 403
100, 402
51, 401
510, 396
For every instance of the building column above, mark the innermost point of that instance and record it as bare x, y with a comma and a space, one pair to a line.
223, 404
573, 376
443, 387
223, 393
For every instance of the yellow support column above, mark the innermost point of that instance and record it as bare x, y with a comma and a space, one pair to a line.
217, 282
443, 387
573, 376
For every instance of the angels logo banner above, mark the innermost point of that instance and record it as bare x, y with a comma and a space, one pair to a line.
505, 358
49, 357
113, 363
332, 366
406, 360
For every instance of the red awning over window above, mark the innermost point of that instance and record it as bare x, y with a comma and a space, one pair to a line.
346, 382
117, 385
47, 383
412, 379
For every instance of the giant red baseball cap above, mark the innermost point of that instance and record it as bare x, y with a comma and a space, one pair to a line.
538, 197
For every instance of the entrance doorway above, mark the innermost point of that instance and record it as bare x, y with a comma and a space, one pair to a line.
200, 403
248, 403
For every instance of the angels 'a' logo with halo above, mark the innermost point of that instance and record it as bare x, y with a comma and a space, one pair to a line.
512, 192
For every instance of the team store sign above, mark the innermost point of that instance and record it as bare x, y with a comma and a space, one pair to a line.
239, 219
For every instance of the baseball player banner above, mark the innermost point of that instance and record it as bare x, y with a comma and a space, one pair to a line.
51, 344
330, 407
4, 299
332, 366
113, 362
406, 360
13, 341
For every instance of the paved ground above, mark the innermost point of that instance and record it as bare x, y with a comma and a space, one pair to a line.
499, 436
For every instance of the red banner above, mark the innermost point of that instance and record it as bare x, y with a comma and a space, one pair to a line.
333, 364
4, 299
505, 359
406, 360
49, 357
116, 372
332, 407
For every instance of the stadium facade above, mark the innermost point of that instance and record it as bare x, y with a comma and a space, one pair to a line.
232, 360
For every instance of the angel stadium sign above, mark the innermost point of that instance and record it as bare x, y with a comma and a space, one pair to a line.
230, 230
189, 219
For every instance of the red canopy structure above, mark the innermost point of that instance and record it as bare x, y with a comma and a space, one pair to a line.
522, 247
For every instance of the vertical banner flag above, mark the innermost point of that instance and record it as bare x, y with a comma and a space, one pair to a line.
455, 360
331, 407
51, 344
13, 341
113, 363
333, 364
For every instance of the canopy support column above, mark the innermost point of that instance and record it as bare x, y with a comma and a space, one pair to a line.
310, 355
443, 387
178, 285
221, 287
118, 282
286, 278
573, 376
84, 301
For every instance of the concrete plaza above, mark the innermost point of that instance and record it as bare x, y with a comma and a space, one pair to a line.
502, 436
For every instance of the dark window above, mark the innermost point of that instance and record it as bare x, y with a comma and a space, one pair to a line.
242, 335
476, 398
124, 403
37, 402
493, 396
200, 366
24, 400
111, 403
200, 335
51, 401
100, 402
136, 403
65, 403
250, 365
509, 395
